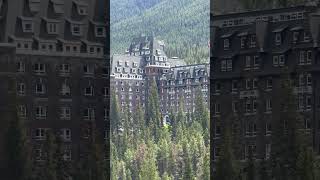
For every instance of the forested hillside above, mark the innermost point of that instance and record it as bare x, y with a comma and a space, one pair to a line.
182, 24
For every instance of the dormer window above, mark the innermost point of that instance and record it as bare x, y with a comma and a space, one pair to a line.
27, 25
82, 7
100, 31
76, 29
52, 28
58, 6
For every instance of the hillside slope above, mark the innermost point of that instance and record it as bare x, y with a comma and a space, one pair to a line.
182, 24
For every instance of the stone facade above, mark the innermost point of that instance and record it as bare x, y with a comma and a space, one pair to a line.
145, 60
248, 55
60, 68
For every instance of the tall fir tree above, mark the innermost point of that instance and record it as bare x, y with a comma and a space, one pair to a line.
153, 115
201, 113
226, 166
50, 168
251, 170
17, 147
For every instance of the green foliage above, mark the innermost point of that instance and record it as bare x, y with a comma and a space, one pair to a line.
17, 149
180, 155
226, 167
182, 24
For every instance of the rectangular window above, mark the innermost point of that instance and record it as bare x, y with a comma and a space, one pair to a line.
281, 60
64, 68
76, 30
65, 113
226, 44
40, 134
27, 26
100, 32
255, 83
235, 106
307, 124
253, 41
234, 86
224, 65
52, 28
39, 68
243, 42
229, 65
248, 83
300, 103
21, 87
269, 83
66, 134
248, 106
256, 61
268, 129
278, 39
308, 102
255, 105
105, 114
248, 62
41, 112
302, 57
268, 151
88, 91
21, 66
88, 69
217, 108
40, 88
268, 105
105, 92
309, 80
22, 111
295, 36
88, 114
275, 61
306, 37
309, 57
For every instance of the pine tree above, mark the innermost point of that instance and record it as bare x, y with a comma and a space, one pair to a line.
201, 113
251, 174
263, 170
226, 167
92, 166
63, 168
50, 168
17, 147
153, 115
306, 165
115, 117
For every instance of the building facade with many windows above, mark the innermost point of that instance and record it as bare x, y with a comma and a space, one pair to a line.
145, 61
250, 51
60, 69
